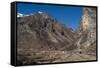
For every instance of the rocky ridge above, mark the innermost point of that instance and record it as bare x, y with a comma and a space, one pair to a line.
44, 31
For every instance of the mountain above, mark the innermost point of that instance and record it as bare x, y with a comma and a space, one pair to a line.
41, 31
43, 39
86, 33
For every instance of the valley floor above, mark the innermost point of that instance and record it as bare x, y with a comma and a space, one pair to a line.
40, 57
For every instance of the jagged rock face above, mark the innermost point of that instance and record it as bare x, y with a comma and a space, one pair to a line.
42, 32
87, 29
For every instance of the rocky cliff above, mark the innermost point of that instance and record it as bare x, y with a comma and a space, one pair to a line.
86, 38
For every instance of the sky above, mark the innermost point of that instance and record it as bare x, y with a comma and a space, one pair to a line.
70, 16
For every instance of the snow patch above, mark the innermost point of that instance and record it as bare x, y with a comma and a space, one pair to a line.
40, 12
20, 15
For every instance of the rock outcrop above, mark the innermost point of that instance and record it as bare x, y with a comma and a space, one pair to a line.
86, 38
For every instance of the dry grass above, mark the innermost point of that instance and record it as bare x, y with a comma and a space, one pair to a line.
38, 57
